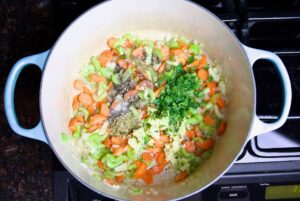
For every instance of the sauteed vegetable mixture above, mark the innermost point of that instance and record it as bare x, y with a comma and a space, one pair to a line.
147, 107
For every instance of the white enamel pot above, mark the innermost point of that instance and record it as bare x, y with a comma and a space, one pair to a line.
87, 36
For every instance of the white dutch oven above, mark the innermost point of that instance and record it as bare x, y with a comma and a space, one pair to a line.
87, 36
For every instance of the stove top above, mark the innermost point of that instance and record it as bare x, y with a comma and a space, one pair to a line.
260, 24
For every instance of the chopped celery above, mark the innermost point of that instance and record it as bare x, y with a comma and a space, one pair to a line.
146, 139
195, 48
108, 174
99, 152
84, 112
158, 53
122, 167
86, 71
113, 161
131, 154
106, 72
95, 139
151, 75
77, 133
207, 130
148, 51
127, 74
64, 137
116, 79
184, 39
95, 63
136, 191
173, 43
120, 50
119, 42
101, 97
148, 43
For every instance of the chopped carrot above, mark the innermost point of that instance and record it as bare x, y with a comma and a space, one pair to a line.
222, 127
203, 61
145, 113
207, 119
146, 156
165, 53
118, 140
161, 158
120, 150
190, 134
212, 88
96, 78
110, 42
159, 89
148, 178
85, 99
137, 163
220, 102
202, 74
97, 119
181, 176
206, 144
107, 142
194, 64
190, 146
159, 144
138, 53
91, 109
127, 44
78, 120
130, 94
182, 45
114, 104
105, 57
122, 63
120, 178
164, 138
101, 165
154, 150
75, 104
197, 131
140, 171
88, 90
93, 128
161, 68
104, 110
110, 85
157, 169
104, 101
78, 85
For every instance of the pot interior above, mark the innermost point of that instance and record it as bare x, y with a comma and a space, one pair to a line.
152, 19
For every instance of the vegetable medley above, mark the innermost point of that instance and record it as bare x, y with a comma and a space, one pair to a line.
146, 107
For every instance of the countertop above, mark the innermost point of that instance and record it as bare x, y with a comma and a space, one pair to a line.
26, 27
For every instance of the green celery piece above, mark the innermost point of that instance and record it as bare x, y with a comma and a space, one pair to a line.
158, 53
173, 44
184, 39
120, 50
131, 154
77, 133
127, 74
64, 137
148, 51
101, 151
108, 174
116, 79
146, 139
95, 63
106, 72
95, 139
135, 191
194, 48
84, 111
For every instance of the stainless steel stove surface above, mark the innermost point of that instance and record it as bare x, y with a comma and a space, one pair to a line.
270, 163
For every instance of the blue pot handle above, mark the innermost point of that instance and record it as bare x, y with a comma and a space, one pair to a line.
37, 132
260, 127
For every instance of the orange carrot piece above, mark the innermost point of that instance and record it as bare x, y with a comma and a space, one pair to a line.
110, 42
140, 171
78, 85
120, 178
114, 104
137, 163
159, 89
203, 62
161, 158
91, 109
148, 178
220, 102
161, 68
182, 45
206, 144
221, 128
165, 53
99, 104
207, 119
118, 140
181, 176
110, 85
138, 53
202, 74
190, 134
190, 146
78, 120
157, 169
85, 99
212, 88
122, 63
105, 57
194, 64
130, 94
104, 110
93, 128
146, 156
96, 78
120, 150
75, 104
97, 119
101, 165
107, 142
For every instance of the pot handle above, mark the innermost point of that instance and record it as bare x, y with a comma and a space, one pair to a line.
37, 132
260, 127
